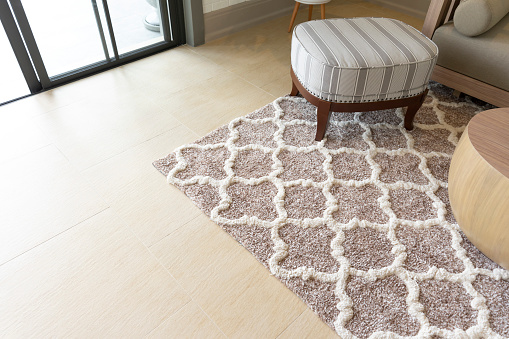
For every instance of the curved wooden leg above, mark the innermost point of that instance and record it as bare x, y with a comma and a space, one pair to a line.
295, 10
322, 7
412, 110
322, 117
310, 14
295, 90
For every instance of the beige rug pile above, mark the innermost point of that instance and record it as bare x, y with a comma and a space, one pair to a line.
358, 225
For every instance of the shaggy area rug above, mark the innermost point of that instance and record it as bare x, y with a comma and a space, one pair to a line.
358, 225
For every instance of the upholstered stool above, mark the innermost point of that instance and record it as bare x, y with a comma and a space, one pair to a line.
311, 3
361, 64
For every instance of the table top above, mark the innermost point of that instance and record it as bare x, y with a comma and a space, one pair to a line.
488, 132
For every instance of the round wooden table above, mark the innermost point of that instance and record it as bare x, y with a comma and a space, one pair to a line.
479, 184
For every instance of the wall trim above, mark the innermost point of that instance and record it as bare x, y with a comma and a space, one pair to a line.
404, 8
244, 15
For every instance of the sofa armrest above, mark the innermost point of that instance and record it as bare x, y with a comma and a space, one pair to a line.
439, 12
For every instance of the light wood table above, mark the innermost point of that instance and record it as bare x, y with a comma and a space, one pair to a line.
479, 184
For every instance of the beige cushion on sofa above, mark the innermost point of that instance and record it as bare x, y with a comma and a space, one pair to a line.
485, 57
474, 17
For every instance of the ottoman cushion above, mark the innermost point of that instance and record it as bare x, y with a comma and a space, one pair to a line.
362, 59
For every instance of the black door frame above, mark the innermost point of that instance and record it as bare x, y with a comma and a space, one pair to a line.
24, 45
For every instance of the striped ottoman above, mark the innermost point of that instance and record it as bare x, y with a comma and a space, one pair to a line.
361, 64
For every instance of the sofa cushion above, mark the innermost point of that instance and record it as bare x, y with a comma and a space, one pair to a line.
484, 57
474, 17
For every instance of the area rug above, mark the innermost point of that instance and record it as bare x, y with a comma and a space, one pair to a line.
358, 225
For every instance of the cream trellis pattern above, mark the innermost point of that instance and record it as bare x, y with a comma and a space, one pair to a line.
340, 278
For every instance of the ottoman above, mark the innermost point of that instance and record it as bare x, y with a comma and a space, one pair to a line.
361, 64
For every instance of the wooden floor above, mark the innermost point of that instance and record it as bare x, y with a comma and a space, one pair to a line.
95, 243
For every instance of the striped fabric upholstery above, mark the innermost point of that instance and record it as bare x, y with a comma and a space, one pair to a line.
362, 59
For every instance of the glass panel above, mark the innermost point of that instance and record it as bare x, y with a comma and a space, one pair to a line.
135, 23
66, 33
12, 81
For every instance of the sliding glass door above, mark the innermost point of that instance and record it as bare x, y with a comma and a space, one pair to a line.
51, 42
14, 85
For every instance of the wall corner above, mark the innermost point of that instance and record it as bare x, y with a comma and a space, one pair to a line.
194, 22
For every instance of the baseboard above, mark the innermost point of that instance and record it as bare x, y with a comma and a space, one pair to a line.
409, 8
244, 15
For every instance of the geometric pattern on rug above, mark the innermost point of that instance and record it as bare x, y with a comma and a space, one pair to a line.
358, 225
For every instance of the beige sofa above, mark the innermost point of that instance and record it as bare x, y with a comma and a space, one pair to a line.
473, 41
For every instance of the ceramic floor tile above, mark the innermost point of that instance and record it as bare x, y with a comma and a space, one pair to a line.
188, 322
167, 61
214, 102
173, 70
19, 135
95, 280
158, 213
308, 325
408, 19
349, 10
196, 253
112, 175
276, 31
274, 35
362, 6
29, 107
245, 48
228, 285
261, 74
265, 309
36, 104
114, 82
42, 195
139, 193
279, 87
88, 132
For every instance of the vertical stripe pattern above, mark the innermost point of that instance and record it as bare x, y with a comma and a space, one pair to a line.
362, 59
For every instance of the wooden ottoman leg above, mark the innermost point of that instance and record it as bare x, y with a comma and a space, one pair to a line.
322, 117
322, 7
310, 14
295, 90
412, 110
295, 10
